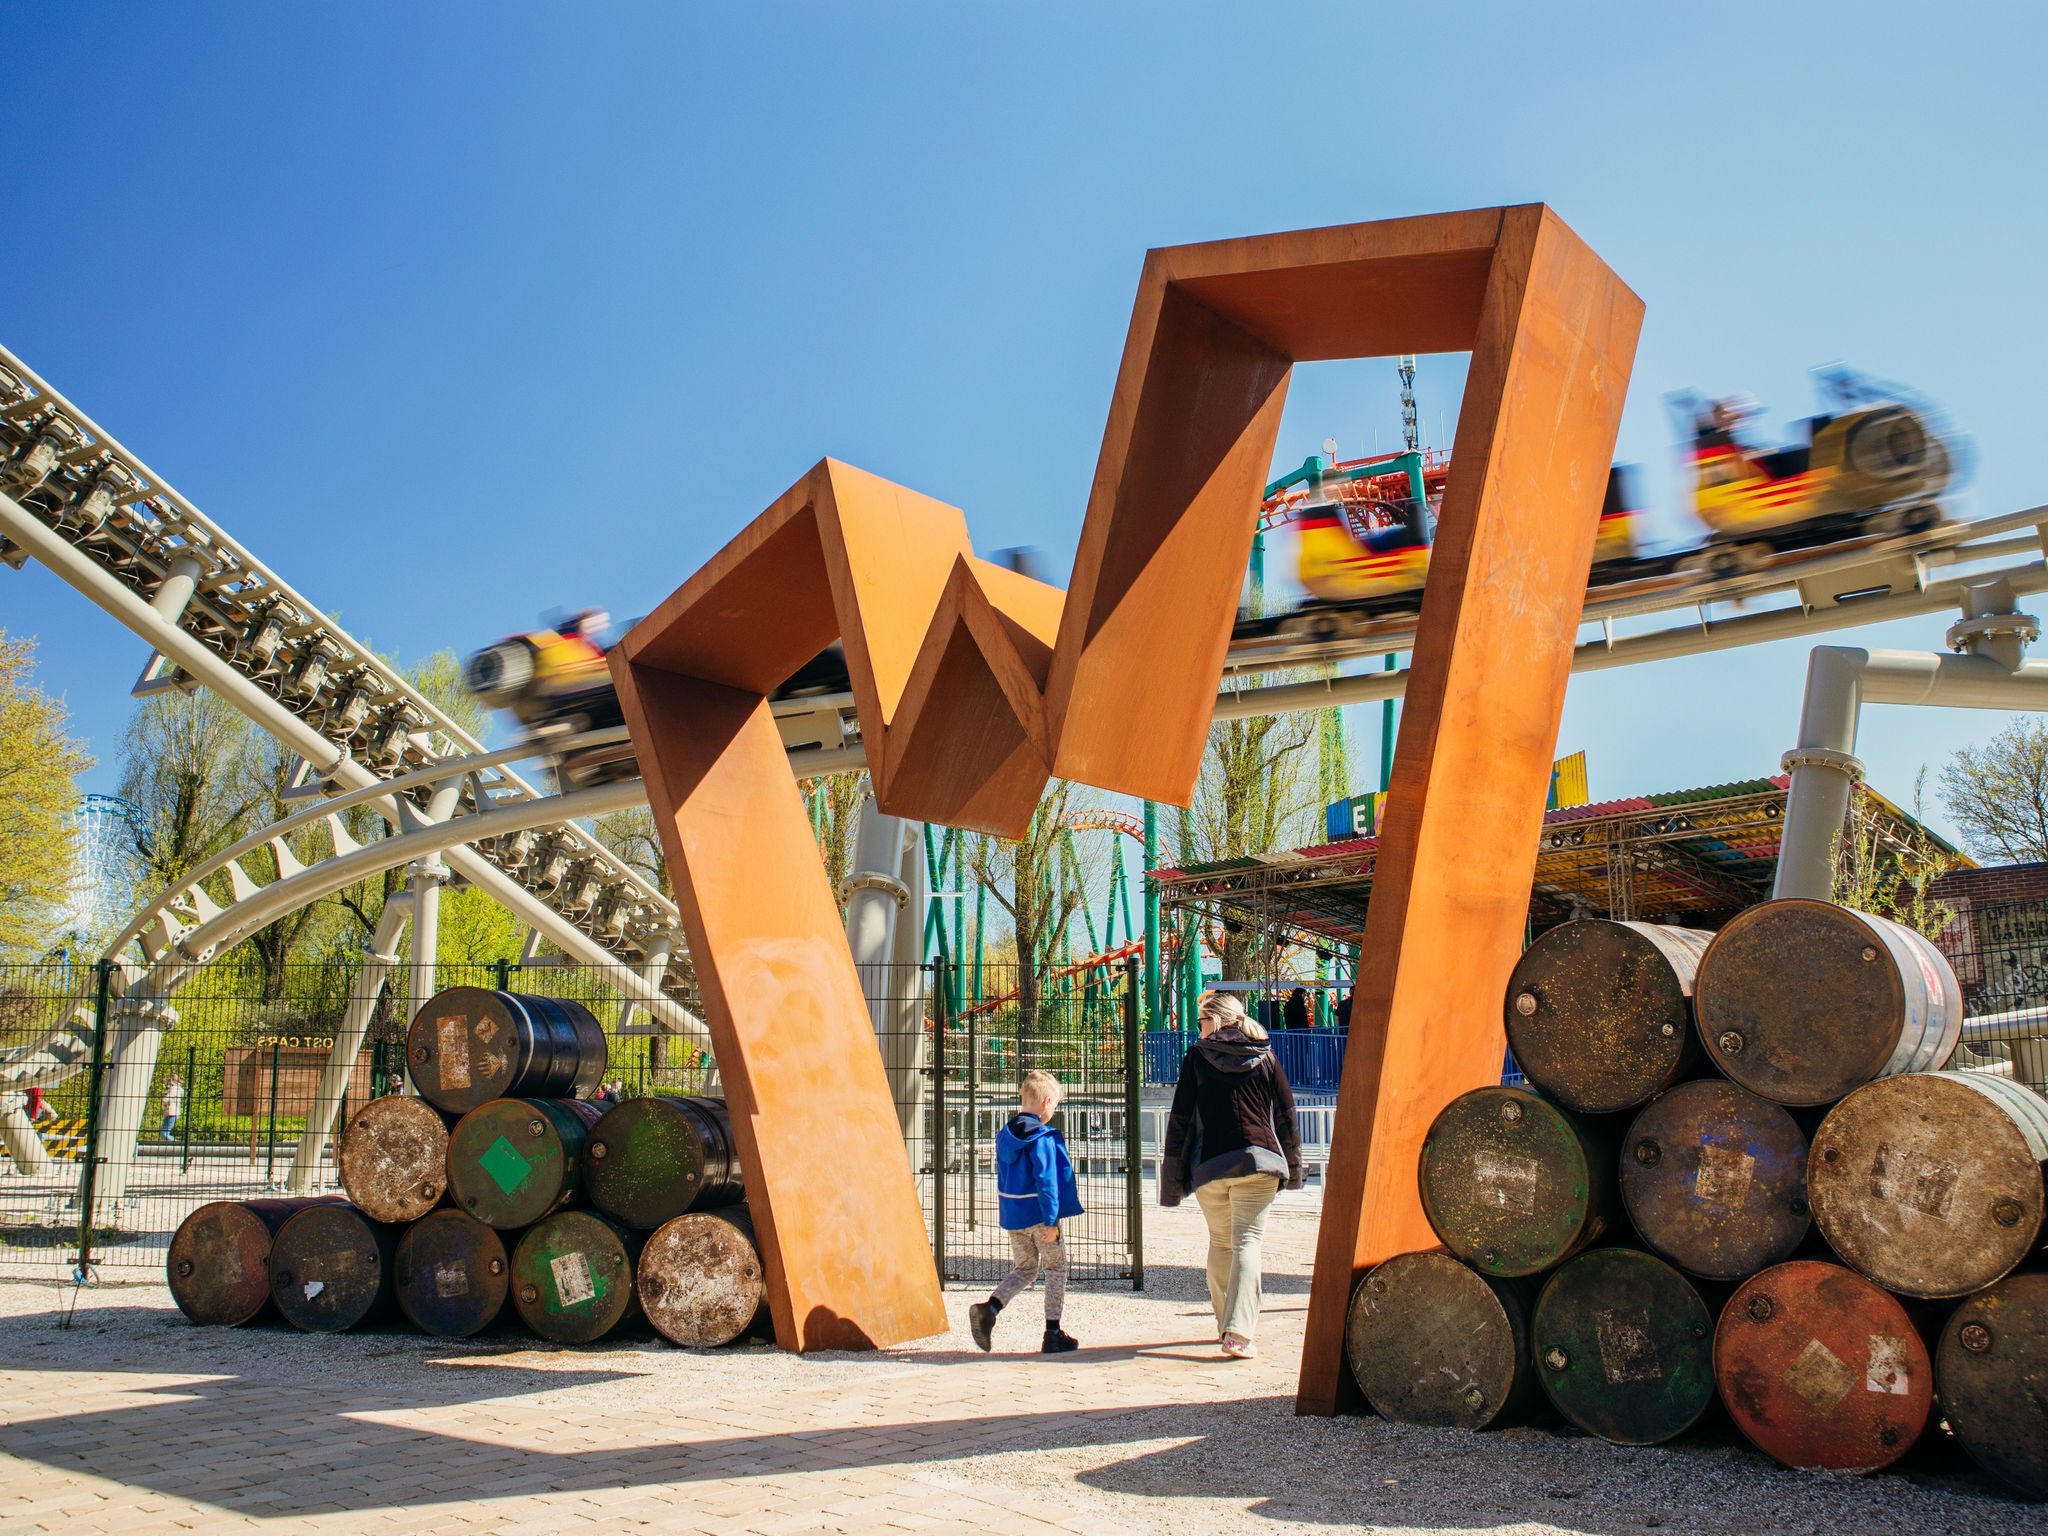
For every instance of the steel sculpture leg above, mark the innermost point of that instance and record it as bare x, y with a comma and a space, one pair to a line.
810, 1103
380, 955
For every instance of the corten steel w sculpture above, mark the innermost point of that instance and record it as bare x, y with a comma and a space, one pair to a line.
975, 684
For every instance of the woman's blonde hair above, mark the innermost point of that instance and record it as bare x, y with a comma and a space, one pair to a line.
1222, 1010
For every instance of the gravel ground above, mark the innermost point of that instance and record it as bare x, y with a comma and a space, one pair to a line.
1241, 1462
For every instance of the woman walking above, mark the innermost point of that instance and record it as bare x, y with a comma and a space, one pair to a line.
1232, 1139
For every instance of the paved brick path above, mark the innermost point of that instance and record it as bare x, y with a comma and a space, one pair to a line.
136, 1421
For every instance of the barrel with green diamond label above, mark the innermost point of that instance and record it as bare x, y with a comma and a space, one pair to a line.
572, 1276
512, 1161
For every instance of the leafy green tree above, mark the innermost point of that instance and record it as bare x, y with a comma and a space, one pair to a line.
183, 768
38, 763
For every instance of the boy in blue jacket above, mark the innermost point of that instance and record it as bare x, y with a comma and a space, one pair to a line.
1035, 1191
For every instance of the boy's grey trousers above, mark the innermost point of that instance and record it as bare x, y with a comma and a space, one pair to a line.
1035, 1255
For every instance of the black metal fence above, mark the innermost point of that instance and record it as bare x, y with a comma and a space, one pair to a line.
1999, 951
222, 1109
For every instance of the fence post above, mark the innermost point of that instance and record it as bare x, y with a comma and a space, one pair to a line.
504, 969
191, 1103
88, 1178
973, 1113
938, 1070
1134, 1147
270, 1152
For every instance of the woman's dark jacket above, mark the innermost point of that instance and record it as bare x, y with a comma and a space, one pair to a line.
1233, 1114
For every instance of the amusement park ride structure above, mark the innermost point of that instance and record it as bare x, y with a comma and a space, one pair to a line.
215, 617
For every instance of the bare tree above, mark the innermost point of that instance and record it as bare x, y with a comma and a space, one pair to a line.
1998, 793
1035, 882
182, 761
1256, 792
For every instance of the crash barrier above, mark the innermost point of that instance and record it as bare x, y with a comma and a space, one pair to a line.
1589, 1254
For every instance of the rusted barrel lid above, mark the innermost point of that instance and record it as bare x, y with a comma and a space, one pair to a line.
1802, 1001
394, 1158
1822, 1369
651, 1159
701, 1279
1624, 1346
330, 1268
1714, 1178
451, 1274
1513, 1184
1991, 1368
218, 1265
468, 1045
572, 1276
1432, 1341
1931, 1183
1599, 1014
512, 1161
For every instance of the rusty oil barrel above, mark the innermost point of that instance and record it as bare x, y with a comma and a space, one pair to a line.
1432, 1341
651, 1159
1714, 1179
218, 1266
451, 1274
469, 1045
701, 1279
331, 1267
1991, 1370
1822, 1369
1599, 1014
1624, 1346
572, 1276
1513, 1184
394, 1158
1803, 1001
512, 1161
1930, 1183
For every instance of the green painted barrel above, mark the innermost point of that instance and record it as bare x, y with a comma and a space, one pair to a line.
1624, 1346
331, 1269
572, 1276
512, 1161
452, 1274
1992, 1371
1513, 1184
652, 1159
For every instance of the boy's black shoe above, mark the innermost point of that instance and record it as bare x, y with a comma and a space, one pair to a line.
981, 1322
1058, 1341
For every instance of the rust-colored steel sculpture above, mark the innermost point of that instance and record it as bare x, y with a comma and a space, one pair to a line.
975, 685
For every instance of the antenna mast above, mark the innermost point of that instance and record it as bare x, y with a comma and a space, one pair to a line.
1409, 429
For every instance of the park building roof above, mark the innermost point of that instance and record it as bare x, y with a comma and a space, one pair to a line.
1691, 856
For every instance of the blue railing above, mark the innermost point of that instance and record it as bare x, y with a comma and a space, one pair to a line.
1313, 1059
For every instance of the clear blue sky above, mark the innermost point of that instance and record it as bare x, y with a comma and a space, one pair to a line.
459, 313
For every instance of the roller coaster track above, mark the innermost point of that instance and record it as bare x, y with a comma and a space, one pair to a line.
1803, 592
73, 497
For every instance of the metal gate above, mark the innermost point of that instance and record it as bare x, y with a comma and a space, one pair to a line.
1084, 1030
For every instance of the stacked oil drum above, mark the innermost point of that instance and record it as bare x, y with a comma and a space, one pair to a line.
1742, 1183
498, 1192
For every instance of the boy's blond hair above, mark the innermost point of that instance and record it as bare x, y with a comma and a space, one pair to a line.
1042, 1089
